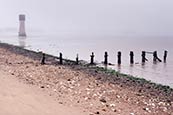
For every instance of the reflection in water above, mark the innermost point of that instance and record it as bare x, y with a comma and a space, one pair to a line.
143, 65
131, 68
22, 41
119, 68
164, 65
105, 66
154, 66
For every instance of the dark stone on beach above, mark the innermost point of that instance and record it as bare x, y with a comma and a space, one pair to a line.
27, 66
97, 112
36, 65
138, 94
103, 100
168, 100
68, 79
96, 71
12, 73
99, 78
60, 102
42, 87
114, 110
104, 110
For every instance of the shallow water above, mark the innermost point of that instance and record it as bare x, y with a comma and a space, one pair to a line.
84, 45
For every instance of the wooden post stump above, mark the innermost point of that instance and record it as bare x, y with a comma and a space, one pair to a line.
43, 59
77, 59
155, 57
106, 58
143, 57
119, 58
60, 59
165, 56
92, 58
131, 57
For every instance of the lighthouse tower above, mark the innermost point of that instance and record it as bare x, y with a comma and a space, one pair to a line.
22, 25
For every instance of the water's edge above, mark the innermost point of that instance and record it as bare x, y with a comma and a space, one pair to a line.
141, 82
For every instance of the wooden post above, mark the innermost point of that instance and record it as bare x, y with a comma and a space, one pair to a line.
77, 59
60, 59
143, 57
155, 57
165, 56
119, 58
106, 58
131, 57
43, 59
92, 58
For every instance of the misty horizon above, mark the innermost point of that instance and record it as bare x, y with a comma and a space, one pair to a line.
99, 17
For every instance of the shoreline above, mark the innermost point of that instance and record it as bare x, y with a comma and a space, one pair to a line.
102, 76
82, 64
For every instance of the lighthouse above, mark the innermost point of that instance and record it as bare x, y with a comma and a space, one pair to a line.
22, 25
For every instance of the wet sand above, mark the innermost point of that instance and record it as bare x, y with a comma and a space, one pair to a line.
91, 90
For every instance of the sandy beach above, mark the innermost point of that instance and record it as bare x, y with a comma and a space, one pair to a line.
17, 98
29, 87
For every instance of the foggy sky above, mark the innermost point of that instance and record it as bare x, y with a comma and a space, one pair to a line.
102, 17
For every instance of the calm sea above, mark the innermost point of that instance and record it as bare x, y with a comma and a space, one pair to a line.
70, 46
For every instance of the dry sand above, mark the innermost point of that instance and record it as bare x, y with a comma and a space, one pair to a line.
17, 98
88, 91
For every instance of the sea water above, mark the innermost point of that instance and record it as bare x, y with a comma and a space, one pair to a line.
84, 45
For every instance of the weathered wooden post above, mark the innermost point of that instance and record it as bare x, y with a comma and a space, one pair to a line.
77, 59
106, 58
155, 57
165, 56
43, 59
92, 58
131, 57
143, 57
119, 58
60, 59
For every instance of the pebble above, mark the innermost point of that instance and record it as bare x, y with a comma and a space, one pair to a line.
161, 103
42, 87
118, 96
103, 109
103, 100
97, 112
165, 109
54, 90
147, 109
153, 104
48, 86
60, 102
114, 110
112, 105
